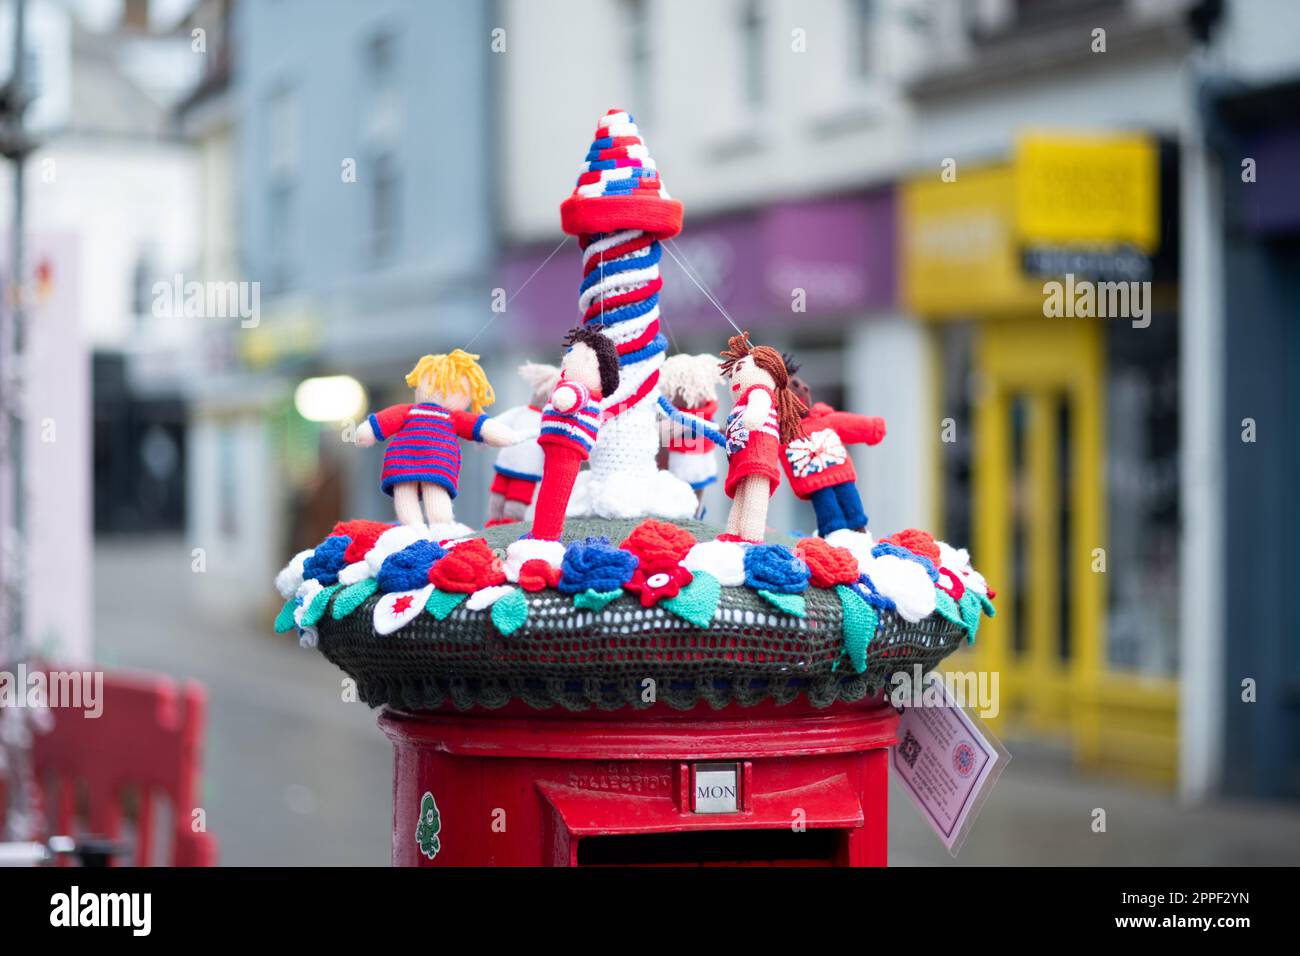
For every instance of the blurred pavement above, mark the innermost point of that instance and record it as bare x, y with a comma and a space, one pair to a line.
293, 775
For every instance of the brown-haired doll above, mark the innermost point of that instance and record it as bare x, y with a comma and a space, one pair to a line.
766, 415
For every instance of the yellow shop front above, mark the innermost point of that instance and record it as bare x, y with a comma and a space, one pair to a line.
1056, 454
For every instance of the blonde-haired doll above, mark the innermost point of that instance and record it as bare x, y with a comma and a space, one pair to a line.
422, 461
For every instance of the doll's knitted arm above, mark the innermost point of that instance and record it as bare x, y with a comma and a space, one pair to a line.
757, 407
856, 429
382, 424
480, 428
569, 396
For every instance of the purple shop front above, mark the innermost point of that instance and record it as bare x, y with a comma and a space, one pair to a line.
836, 254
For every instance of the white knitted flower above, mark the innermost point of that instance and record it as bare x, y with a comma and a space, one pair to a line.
353, 573
725, 560
392, 541
957, 560
859, 543
904, 582
399, 607
529, 549
289, 579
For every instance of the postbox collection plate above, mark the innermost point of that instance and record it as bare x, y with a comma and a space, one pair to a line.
715, 787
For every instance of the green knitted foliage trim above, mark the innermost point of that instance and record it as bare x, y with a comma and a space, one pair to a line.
590, 600
859, 625
510, 612
987, 605
442, 603
698, 601
947, 608
971, 609
792, 604
352, 597
316, 610
284, 620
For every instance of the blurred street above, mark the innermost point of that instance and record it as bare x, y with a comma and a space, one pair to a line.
292, 775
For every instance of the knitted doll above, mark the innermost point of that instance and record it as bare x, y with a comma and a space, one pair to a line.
766, 414
818, 464
570, 422
422, 461
519, 467
690, 383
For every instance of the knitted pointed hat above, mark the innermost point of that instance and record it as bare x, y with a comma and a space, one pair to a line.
619, 186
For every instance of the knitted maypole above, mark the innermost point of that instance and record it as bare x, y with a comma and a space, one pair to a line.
620, 211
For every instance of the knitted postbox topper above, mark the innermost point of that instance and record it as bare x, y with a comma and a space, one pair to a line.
619, 186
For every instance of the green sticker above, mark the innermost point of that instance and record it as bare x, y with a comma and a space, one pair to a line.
428, 827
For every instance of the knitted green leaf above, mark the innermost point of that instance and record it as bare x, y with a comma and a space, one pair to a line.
352, 597
970, 614
284, 620
442, 603
860, 621
987, 605
698, 600
510, 612
789, 603
947, 608
316, 609
590, 600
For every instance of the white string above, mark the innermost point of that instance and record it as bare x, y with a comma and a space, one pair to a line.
668, 244
510, 298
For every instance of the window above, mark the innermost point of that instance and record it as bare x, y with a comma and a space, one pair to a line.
382, 128
638, 57
282, 161
751, 54
862, 14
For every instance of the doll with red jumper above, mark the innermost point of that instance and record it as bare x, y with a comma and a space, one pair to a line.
818, 464
570, 423
422, 462
766, 415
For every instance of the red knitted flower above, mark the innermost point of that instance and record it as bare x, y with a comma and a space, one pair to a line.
829, 565
364, 534
468, 567
656, 583
951, 584
536, 575
658, 543
917, 541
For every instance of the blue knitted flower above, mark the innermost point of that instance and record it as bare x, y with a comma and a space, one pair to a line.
327, 560
887, 547
774, 567
595, 565
408, 569
866, 589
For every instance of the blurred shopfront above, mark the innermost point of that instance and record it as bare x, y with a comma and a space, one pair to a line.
1058, 451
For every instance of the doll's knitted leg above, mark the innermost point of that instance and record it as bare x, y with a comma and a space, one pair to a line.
751, 503
437, 504
855, 519
406, 503
496, 506
515, 511
830, 516
558, 476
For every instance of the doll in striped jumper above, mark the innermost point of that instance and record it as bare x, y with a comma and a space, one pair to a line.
570, 422
422, 462
766, 415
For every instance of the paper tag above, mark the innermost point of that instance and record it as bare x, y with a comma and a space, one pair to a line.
948, 762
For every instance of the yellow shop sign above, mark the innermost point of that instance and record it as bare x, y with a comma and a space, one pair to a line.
1073, 190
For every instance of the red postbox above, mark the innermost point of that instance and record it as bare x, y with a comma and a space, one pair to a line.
766, 785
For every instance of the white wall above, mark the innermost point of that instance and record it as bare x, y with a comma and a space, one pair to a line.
820, 126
